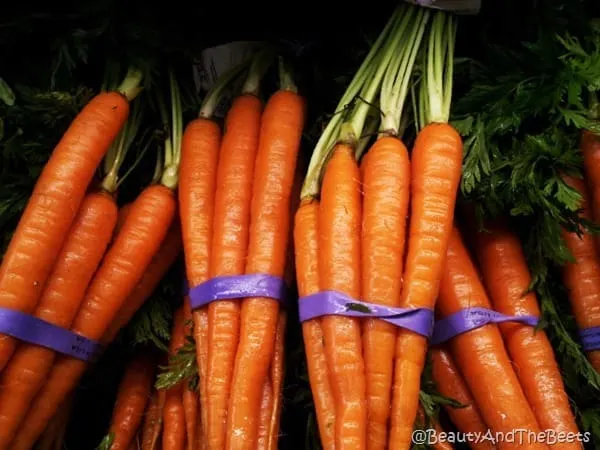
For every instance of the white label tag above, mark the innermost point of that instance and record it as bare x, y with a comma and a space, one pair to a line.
468, 7
215, 61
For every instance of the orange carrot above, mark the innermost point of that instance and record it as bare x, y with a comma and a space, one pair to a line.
132, 398
280, 134
590, 147
582, 278
264, 419
56, 199
276, 377
307, 275
436, 163
480, 353
231, 226
190, 396
507, 278
153, 422
174, 428
450, 383
339, 270
122, 268
197, 180
386, 176
77, 262
169, 251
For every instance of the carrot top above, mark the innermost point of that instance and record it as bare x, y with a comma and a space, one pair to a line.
172, 146
438, 70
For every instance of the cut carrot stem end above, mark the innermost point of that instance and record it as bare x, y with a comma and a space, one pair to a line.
213, 98
260, 65
130, 87
286, 81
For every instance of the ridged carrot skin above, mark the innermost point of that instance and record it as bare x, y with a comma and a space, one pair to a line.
121, 270
450, 383
190, 396
280, 134
339, 270
153, 422
480, 353
132, 398
385, 174
590, 147
582, 278
169, 251
307, 278
174, 427
63, 294
231, 227
435, 177
197, 185
53, 205
507, 279
264, 419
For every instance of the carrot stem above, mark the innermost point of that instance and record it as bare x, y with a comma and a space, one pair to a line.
130, 87
436, 92
286, 81
370, 129
351, 130
594, 106
260, 64
118, 151
170, 175
322, 150
394, 88
213, 98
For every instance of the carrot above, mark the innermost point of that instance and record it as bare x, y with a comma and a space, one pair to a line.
174, 428
169, 251
480, 354
231, 225
436, 171
190, 396
153, 422
198, 173
280, 134
144, 230
276, 377
264, 419
450, 383
54, 434
55, 201
307, 275
507, 278
590, 147
132, 397
582, 278
81, 255
438, 444
385, 174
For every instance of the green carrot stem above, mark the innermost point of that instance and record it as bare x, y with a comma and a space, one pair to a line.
259, 66
213, 98
170, 176
438, 73
115, 157
370, 129
398, 75
594, 106
324, 146
130, 87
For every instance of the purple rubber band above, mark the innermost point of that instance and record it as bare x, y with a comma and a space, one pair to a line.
471, 318
327, 303
39, 332
238, 287
590, 338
